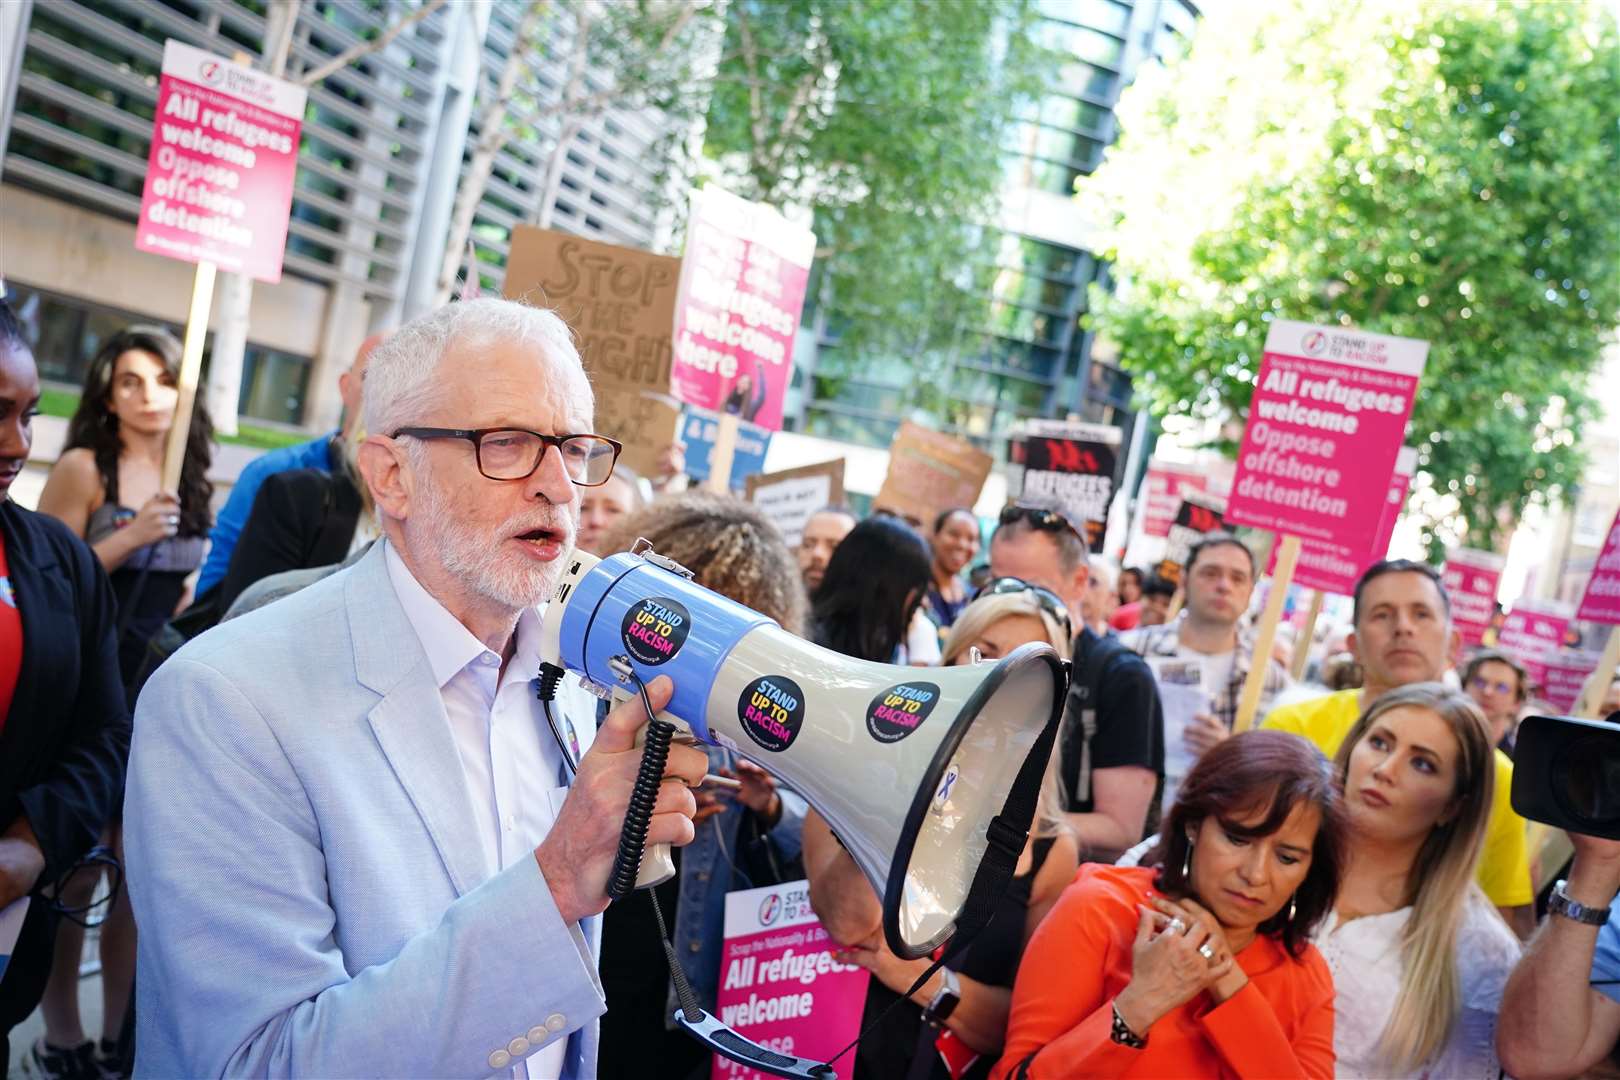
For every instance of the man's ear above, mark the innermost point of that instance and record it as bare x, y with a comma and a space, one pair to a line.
386, 471
1351, 643
1082, 578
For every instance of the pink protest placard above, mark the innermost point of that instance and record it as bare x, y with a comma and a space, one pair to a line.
1565, 672
742, 287
779, 984
1163, 489
1471, 579
1336, 569
1601, 601
219, 175
1532, 631
1325, 425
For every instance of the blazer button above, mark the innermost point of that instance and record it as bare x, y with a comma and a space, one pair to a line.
538, 1034
518, 1046
500, 1059
556, 1022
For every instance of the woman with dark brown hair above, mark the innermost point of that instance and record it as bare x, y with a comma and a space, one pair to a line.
743, 839
107, 487
1203, 967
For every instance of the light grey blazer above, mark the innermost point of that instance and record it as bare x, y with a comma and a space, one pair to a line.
311, 893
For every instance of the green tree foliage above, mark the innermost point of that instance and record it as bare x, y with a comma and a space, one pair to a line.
886, 120
1437, 171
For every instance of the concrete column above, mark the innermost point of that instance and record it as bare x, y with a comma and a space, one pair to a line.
13, 39
462, 60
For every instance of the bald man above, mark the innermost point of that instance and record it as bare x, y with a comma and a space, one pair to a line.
322, 453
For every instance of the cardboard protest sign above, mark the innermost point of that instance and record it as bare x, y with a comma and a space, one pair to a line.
1532, 631
779, 984
1471, 579
930, 472
789, 497
620, 303
1162, 490
700, 430
1198, 514
1564, 673
1601, 601
742, 288
1325, 426
1334, 568
219, 174
1069, 462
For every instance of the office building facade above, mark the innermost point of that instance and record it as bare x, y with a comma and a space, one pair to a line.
1030, 357
384, 143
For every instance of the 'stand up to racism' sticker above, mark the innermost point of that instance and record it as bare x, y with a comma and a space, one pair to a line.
655, 629
900, 710
771, 710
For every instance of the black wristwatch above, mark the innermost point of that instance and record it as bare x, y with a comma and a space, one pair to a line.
950, 992
1122, 1032
1560, 903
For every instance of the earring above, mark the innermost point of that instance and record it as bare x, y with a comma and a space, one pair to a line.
1186, 862
1292, 904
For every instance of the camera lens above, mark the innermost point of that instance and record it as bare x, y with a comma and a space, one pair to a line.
1586, 780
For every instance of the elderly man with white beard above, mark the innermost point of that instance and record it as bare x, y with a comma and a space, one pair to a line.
353, 843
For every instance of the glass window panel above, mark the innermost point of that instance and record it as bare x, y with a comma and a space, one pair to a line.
1103, 14
1085, 79
273, 385
1083, 42
1070, 113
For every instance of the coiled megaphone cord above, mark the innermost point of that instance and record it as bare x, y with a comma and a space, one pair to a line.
643, 797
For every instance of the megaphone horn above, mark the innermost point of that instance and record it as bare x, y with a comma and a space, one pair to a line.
914, 769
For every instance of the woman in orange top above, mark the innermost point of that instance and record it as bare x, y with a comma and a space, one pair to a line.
1202, 968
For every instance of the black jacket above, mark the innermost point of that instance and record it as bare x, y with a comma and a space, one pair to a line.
301, 518
66, 739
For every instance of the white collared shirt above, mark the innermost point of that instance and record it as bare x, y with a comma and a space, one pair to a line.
512, 764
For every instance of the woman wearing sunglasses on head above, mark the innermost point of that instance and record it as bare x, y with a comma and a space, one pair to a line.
952, 1028
1203, 967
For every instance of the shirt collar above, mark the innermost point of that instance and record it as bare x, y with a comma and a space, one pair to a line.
449, 645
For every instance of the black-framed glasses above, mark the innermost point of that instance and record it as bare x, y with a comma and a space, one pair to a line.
1041, 517
1045, 598
514, 453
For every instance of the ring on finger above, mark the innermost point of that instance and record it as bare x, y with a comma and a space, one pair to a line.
1177, 926
1207, 952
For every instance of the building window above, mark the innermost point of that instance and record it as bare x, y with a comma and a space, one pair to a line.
66, 333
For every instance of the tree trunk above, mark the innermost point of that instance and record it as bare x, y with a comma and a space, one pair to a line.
492, 136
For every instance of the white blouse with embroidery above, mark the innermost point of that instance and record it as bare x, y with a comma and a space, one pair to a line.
1365, 958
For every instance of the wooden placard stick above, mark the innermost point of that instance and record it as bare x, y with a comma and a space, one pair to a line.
1601, 679
1281, 575
1302, 644
202, 298
721, 456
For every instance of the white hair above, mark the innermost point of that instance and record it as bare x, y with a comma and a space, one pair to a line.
401, 377
1103, 568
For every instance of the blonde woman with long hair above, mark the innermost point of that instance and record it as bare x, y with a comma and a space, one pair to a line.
1419, 955
953, 1028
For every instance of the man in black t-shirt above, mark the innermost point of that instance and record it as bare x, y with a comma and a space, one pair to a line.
1111, 746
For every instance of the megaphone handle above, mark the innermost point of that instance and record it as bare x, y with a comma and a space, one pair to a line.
638, 815
657, 864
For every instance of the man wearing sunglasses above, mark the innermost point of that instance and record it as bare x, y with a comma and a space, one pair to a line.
1112, 741
353, 844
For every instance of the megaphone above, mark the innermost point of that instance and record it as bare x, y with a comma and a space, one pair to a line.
914, 769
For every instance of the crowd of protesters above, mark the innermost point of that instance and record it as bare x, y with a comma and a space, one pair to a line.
317, 868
